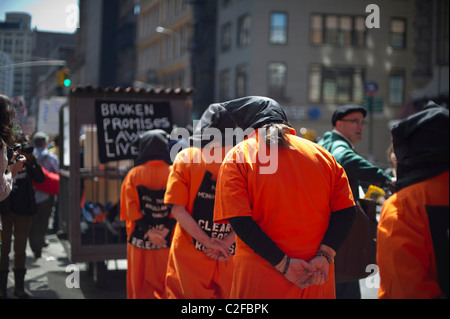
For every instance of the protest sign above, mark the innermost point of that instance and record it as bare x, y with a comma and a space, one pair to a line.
119, 123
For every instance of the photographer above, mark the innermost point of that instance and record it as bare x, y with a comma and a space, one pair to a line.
16, 214
10, 164
7, 170
7, 156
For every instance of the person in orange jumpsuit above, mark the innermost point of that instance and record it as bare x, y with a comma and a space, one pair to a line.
148, 221
288, 201
412, 237
200, 261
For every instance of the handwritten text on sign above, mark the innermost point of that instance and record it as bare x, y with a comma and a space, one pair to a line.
119, 123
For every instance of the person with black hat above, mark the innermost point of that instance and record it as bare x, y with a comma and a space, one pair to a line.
148, 220
412, 239
348, 125
200, 262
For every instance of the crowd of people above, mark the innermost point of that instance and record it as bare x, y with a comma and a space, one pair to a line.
232, 227
260, 216
24, 211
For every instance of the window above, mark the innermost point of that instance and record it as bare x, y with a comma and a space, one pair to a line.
396, 87
278, 28
337, 30
225, 39
243, 36
331, 29
224, 82
343, 87
277, 80
358, 85
345, 31
398, 33
329, 90
317, 29
241, 80
335, 84
315, 80
359, 34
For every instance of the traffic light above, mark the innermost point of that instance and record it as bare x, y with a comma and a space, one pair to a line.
67, 80
63, 77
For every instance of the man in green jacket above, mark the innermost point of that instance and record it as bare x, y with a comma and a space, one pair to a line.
348, 125
348, 122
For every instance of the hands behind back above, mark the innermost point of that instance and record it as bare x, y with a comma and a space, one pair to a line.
217, 250
314, 272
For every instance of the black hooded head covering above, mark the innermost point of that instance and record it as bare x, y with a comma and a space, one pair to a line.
153, 145
255, 111
421, 145
215, 117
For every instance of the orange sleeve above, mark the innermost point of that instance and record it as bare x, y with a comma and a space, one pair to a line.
232, 198
341, 196
177, 191
129, 199
404, 252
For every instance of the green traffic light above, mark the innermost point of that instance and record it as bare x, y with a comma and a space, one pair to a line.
67, 82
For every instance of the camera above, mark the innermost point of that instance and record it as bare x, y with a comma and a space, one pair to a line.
25, 147
10, 152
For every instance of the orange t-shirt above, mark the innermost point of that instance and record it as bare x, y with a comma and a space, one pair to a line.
290, 194
405, 252
187, 174
190, 273
153, 175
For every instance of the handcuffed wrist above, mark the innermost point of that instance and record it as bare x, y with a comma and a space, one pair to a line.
284, 265
327, 256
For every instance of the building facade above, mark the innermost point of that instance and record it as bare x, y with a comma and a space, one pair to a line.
6, 74
16, 40
105, 52
163, 43
49, 46
431, 51
313, 56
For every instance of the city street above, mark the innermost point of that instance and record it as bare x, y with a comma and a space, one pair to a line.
99, 92
47, 276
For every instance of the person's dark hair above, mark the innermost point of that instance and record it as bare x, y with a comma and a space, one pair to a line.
276, 134
6, 120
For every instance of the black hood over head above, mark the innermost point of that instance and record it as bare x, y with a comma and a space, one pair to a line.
255, 111
421, 145
152, 145
214, 119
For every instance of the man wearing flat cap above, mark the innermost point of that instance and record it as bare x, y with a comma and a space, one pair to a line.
348, 124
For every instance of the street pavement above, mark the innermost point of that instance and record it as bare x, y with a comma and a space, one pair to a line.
53, 276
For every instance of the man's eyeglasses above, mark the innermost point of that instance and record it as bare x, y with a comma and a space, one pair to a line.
356, 121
